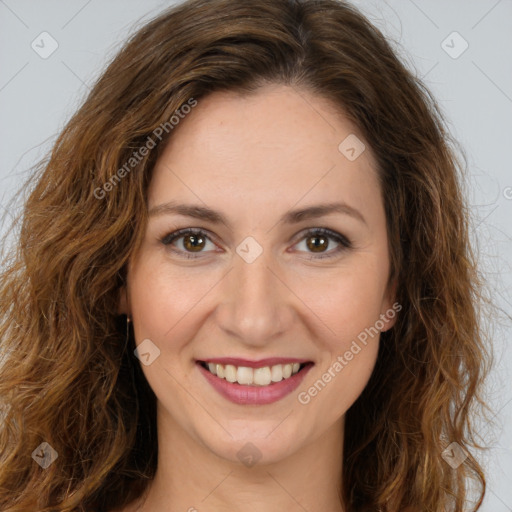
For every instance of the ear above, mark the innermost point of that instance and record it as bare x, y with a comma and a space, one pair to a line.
390, 307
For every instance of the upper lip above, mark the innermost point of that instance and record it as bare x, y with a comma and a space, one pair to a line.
270, 361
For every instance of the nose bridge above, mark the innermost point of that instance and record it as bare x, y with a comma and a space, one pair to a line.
254, 309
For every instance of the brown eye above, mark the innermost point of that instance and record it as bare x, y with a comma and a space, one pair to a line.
192, 242
318, 240
319, 243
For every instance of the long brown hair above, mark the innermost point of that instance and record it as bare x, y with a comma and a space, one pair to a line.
68, 376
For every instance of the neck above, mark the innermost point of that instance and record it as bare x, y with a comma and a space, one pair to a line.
192, 478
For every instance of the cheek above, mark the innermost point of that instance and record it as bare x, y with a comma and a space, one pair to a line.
150, 301
348, 301
347, 376
163, 297
349, 305
350, 311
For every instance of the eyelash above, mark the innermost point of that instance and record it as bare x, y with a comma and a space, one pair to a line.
341, 239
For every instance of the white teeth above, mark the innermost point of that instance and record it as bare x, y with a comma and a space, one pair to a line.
230, 373
244, 375
254, 376
262, 376
277, 373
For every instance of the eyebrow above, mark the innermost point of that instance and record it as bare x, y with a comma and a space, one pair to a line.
290, 217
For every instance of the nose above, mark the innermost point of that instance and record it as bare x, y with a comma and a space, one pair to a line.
257, 305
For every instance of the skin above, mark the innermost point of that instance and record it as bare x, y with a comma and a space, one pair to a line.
254, 158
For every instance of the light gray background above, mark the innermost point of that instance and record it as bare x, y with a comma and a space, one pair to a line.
37, 97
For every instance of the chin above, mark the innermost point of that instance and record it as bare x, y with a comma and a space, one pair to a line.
250, 443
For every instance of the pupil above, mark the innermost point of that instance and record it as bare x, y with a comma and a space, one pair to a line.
197, 243
315, 246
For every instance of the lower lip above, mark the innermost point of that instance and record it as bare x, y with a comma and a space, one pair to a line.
255, 395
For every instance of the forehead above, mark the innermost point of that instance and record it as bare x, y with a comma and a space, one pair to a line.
275, 146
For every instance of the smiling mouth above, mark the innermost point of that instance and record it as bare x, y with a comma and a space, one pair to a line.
245, 376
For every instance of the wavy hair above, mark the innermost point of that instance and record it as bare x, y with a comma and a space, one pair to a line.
68, 377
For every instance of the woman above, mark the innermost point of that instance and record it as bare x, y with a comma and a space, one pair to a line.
243, 280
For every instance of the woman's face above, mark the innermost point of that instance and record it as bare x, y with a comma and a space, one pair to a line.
258, 285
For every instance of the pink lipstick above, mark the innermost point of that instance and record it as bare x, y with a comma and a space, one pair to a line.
244, 394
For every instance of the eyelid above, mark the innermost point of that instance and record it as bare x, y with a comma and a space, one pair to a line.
344, 242
170, 237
